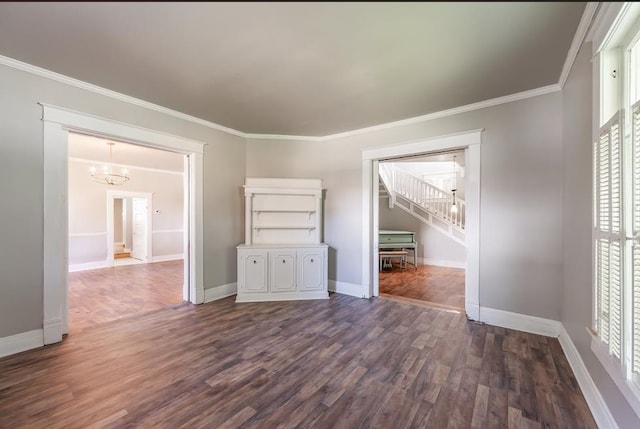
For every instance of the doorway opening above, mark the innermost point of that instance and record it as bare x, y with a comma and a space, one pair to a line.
57, 123
422, 216
469, 142
137, 264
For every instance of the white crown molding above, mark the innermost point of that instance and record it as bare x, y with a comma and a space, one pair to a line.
10, 62
128, 167
578, 38
39, 71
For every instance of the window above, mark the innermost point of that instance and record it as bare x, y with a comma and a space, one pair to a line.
616, 211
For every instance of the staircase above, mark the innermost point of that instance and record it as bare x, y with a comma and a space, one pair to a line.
423, 201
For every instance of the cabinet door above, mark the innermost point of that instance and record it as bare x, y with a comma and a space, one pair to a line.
252, 267
282, 269
311, 269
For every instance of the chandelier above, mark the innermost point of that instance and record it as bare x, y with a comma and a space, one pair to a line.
106, 173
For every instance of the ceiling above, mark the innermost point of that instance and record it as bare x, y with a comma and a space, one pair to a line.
303, 68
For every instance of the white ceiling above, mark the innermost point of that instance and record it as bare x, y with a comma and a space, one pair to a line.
298, 68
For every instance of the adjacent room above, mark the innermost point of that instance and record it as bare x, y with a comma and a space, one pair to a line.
323, 215
126, 230
422, 247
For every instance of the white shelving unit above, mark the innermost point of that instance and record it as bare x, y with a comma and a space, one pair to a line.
283, 257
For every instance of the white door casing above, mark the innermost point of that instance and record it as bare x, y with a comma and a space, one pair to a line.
470, 141
57, 123
140, 233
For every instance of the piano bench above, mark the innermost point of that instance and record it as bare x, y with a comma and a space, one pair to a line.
387, 255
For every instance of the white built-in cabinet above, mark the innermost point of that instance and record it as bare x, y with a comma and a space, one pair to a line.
283, 257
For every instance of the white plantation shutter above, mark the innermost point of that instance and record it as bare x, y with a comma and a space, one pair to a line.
609, 235
635, 308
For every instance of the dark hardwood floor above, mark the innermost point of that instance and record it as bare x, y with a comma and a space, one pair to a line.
340, 363
440, 286
106, 294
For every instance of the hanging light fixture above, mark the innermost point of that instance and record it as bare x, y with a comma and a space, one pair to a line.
454, 207
106, 175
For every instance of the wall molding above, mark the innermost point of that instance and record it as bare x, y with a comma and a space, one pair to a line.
167, 231
127, 166
554, 328
442, 263
352, 289
592, 395
86, 234
520, 322
21, 342
88, 266
218, 292
578, 39
165, 258
38, 71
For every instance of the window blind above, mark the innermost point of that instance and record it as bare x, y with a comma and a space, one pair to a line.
635, 308
608, 236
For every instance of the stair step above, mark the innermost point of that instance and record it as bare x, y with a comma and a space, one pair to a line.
121, 255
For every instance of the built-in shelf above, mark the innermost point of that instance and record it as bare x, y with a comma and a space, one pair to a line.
283, 257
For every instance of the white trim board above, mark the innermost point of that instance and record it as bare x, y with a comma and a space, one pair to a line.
351, 289
554, 328
38, 71
219, 292
441, 263
21, 342
127, 166
578, 38
57, 122
88, 266
470, 141
165, 258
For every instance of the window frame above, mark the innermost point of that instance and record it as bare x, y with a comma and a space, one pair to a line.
615, 62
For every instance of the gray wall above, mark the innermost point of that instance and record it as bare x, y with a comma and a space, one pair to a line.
433, 245
521, 196
21, 151
577, 189
88, 211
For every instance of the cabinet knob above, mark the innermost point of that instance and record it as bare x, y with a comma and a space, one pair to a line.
312, 260
254, 261
283, 261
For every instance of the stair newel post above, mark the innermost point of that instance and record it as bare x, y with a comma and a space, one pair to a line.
248, 201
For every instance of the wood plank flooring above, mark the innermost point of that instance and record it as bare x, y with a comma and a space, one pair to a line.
438, 285
344, 362
106, 294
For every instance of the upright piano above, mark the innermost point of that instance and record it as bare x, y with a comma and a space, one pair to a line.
388, 239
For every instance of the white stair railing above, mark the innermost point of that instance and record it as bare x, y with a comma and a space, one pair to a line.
426, 196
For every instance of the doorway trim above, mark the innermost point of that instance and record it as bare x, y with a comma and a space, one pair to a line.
470, 142
57, 123
111, 196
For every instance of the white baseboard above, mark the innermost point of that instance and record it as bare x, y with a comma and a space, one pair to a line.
596, 403
219, 292
554, 328
441, 263
88, 266
520, 322
21, 342
165, 258
348, 289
